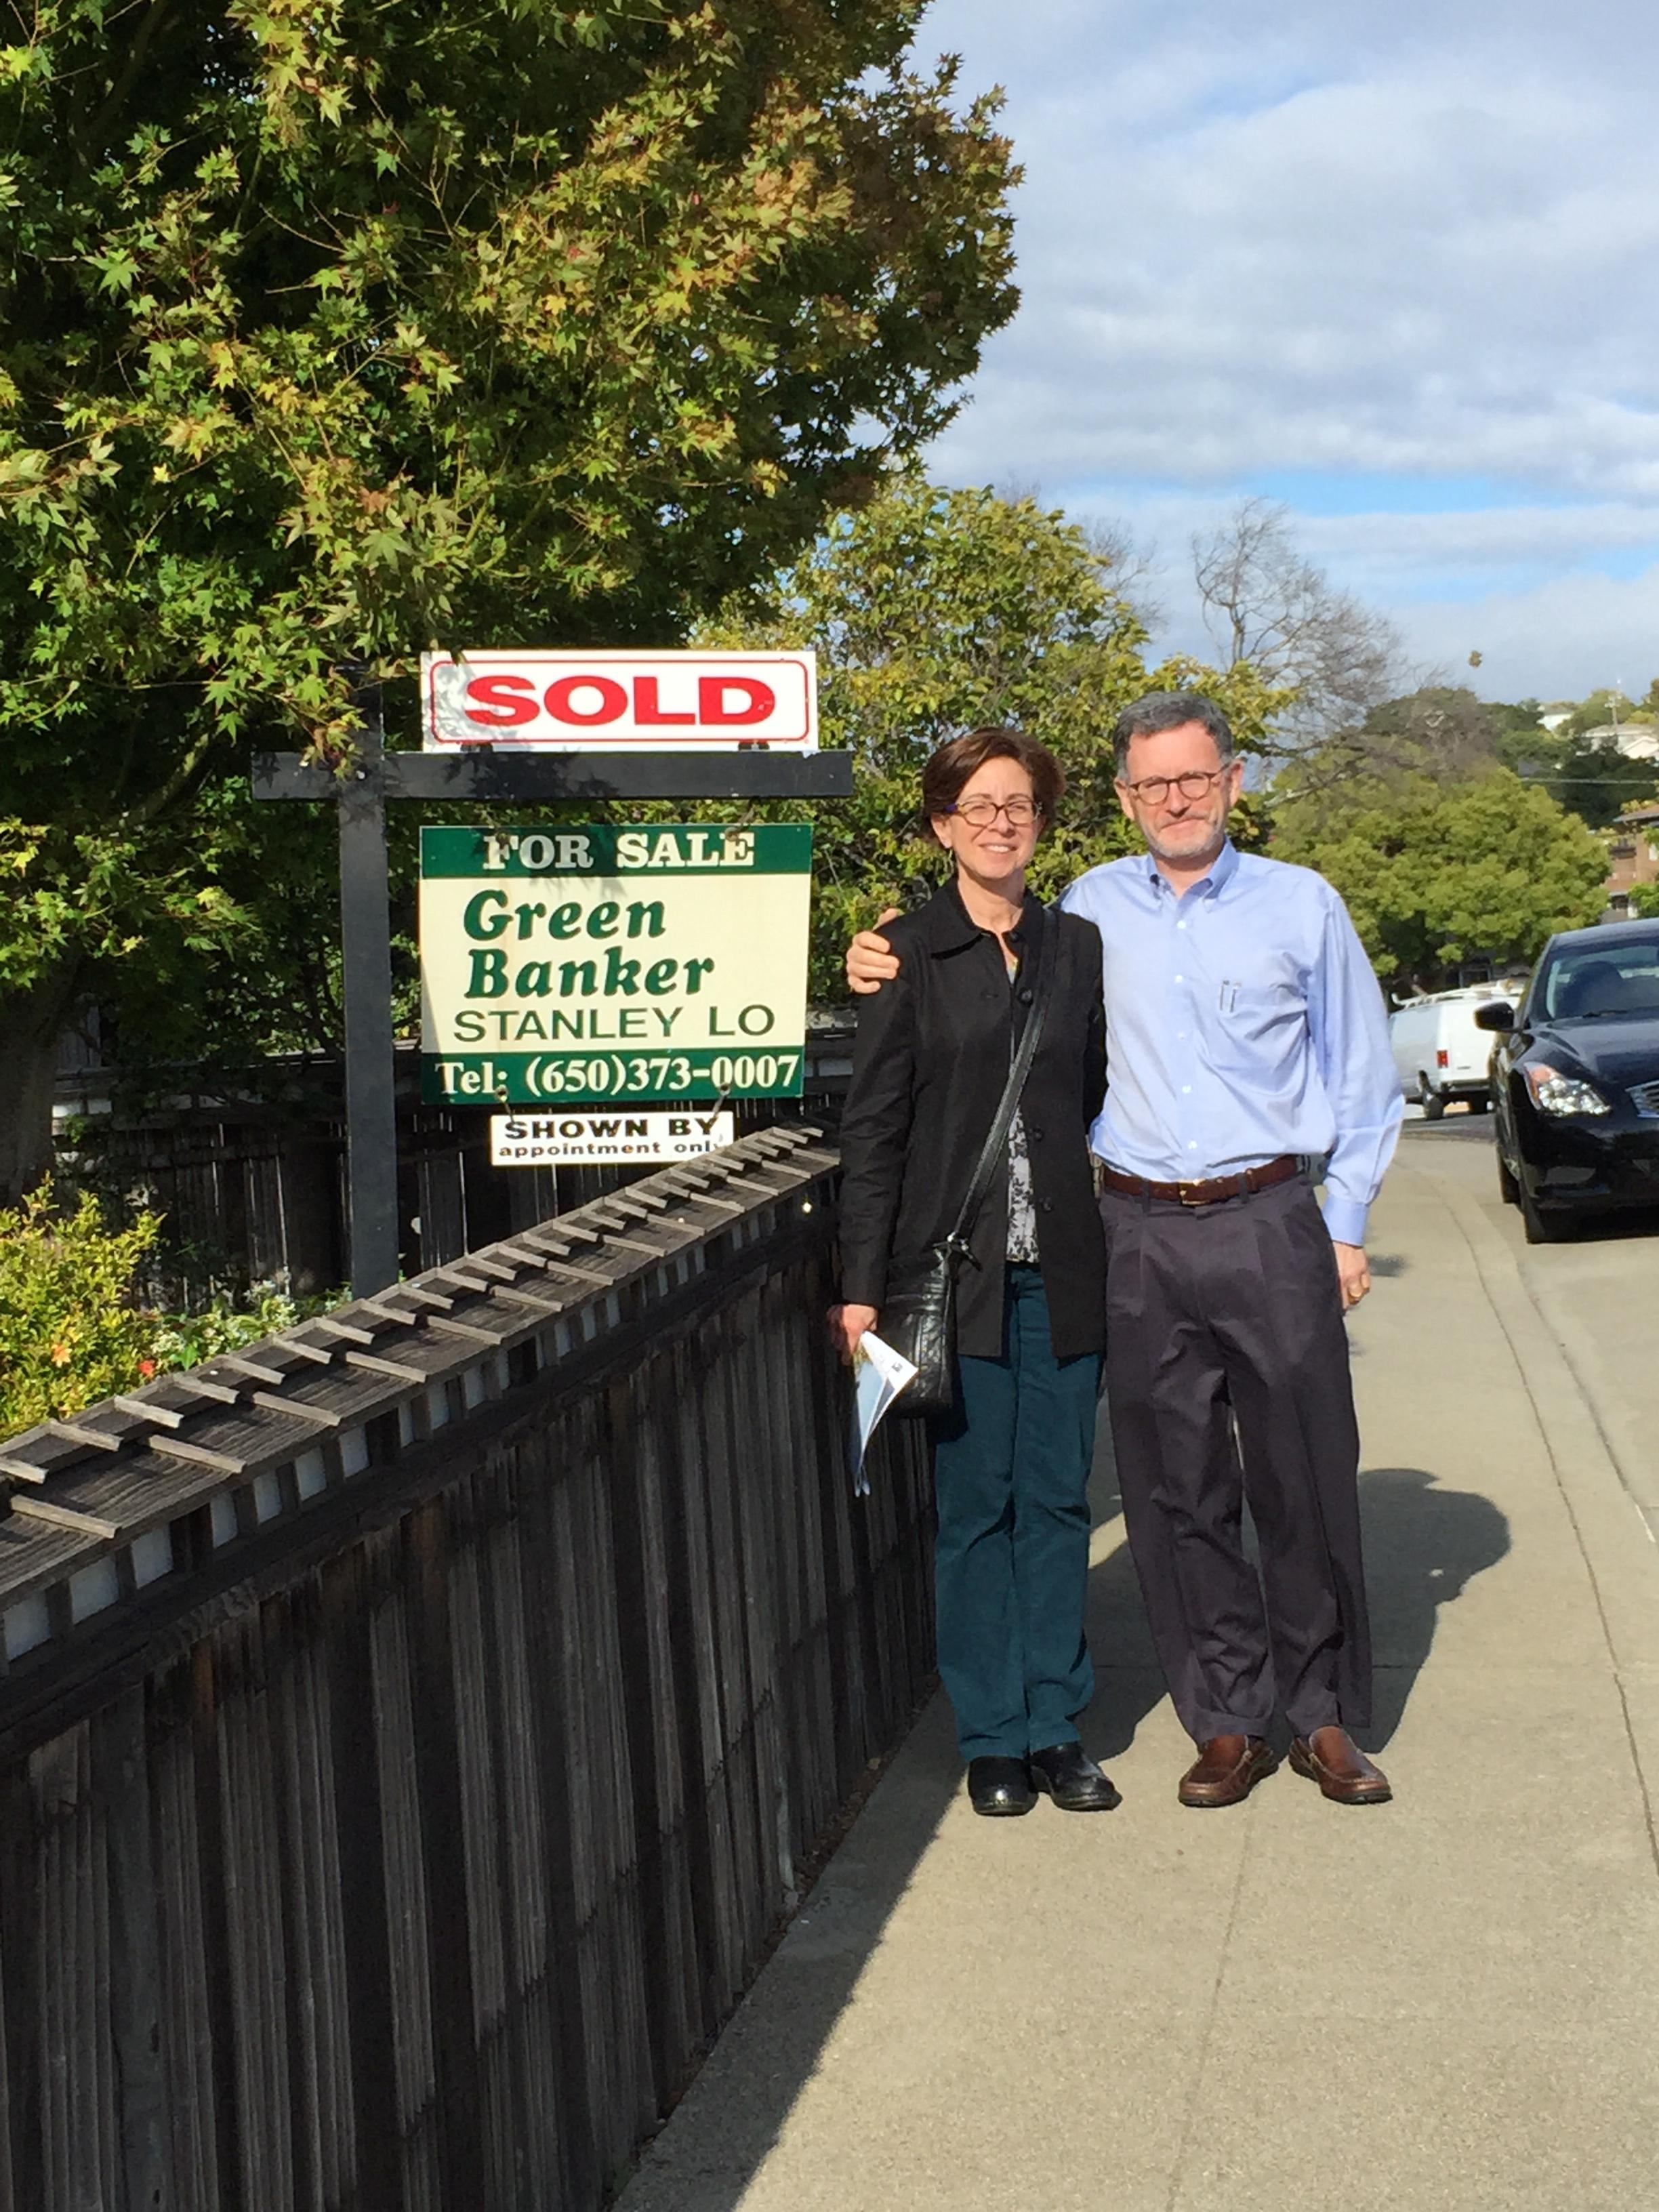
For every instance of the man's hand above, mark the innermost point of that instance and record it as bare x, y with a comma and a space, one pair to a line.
847, 1325
870, 961
1352, 1272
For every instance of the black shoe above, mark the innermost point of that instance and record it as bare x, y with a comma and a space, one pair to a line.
1071, 1780
1000, 1787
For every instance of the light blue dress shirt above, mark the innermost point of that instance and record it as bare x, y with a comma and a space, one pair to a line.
1242, 1021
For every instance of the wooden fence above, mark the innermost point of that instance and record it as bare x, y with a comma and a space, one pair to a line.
412, 1728
252, 1189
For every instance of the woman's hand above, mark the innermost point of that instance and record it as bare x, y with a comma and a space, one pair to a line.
847, 1325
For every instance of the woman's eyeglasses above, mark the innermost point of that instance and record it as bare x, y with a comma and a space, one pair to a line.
1153, 790
980, 813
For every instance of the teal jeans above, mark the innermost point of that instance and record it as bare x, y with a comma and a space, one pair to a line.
1012, 1565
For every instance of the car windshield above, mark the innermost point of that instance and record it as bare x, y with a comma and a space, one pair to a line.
1587, 980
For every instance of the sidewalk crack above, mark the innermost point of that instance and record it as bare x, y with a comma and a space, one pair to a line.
1189, 2122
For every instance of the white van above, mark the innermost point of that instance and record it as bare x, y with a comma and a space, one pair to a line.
1438, 1053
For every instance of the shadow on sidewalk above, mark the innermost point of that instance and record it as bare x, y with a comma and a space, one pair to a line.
707, 2158
1128, 1680
708, 2155
1424, 1545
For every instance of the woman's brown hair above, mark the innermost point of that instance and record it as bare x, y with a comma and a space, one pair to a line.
961, 758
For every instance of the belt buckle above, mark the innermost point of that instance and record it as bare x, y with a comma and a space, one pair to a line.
1192, 1193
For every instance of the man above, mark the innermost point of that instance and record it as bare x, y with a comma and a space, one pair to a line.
1245, 1033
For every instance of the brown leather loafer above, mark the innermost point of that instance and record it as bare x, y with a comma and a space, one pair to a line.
1227, 1768
1331, 1758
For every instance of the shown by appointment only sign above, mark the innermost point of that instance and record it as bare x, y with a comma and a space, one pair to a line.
566, 1139
613, 964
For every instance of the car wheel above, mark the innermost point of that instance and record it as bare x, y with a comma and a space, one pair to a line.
1429, 1099
1480, 1105
1507, 1189
1541, 1228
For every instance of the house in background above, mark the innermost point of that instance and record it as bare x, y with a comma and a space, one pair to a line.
1633, 845
1636, 740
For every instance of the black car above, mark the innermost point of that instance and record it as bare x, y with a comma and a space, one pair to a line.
1575, 1078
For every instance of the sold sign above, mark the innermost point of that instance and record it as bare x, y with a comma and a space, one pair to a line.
660, 701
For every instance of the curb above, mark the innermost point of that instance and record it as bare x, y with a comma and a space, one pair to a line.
1615, 1540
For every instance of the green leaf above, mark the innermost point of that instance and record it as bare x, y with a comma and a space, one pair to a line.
362, 329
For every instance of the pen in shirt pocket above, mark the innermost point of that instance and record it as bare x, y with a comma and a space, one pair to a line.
1228, 1001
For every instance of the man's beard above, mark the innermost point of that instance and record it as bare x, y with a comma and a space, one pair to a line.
1206, 837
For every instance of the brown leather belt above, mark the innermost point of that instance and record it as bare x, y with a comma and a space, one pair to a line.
1210, 1192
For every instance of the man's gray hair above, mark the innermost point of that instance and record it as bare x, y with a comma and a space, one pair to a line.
1170, 710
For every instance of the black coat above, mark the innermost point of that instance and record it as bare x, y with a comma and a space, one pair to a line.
930, 1064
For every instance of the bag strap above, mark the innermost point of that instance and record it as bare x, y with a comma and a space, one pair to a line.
1020, 1066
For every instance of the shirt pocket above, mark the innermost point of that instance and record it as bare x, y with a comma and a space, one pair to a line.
1256, 1026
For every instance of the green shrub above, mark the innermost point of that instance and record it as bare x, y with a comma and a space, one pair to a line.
186, 1339
71, 1329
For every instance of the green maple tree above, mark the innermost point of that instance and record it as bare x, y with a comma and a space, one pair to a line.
335, 331
933, 611
1436, 873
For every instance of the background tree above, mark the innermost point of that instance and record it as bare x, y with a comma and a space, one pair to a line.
1604, 712
1519, 727
1265, 604
1593, 780
933, 611
1435, 875
333, 330
1438, 730
1447, 732
1579, 763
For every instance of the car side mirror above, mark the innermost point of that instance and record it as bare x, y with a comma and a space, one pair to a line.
1496, 1014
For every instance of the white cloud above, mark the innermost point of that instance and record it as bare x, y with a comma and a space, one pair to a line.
1395, 554
1527, 586
1416, 244
1558, 641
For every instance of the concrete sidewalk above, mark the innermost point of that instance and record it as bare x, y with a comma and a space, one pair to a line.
1451, 2001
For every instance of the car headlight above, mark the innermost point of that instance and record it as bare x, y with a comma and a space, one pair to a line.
1555, 1093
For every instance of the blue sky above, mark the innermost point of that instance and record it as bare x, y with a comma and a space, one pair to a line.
1398, 268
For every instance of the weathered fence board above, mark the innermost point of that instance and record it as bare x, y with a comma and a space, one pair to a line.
395, 1801
255, 1192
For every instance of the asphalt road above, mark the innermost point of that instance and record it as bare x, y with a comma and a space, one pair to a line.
1598, 1294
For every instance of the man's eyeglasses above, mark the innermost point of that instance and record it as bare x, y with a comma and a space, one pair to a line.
1153, 790
980, 813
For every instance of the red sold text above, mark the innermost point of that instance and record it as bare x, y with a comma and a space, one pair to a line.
563, 701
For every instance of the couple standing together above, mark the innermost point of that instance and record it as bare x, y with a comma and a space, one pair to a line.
1240, 1033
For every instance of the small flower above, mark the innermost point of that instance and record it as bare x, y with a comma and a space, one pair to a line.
147, 1367
60, 1355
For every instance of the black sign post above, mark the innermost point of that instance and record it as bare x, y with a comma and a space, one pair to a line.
480, 774
365, 988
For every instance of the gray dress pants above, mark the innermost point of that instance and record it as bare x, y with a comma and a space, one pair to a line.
1226, 1339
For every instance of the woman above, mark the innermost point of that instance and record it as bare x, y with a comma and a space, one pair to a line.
1011, 1461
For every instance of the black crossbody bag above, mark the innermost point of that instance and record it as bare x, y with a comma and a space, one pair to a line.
917, 1317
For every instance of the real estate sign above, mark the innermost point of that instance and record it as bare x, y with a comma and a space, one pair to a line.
613, 964
659, 703
563, 1139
